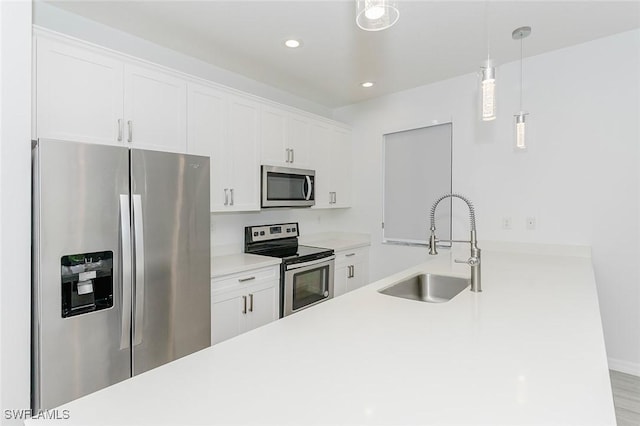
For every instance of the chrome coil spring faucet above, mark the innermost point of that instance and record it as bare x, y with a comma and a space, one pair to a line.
474, 259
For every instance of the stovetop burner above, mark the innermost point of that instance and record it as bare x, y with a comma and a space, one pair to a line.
281, 241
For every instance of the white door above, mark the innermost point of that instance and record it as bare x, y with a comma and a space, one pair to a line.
298, 140
321, 162
227, 318
79, 94
272, 131
263, 304
155, 109
243, 153
341, 168
206, 136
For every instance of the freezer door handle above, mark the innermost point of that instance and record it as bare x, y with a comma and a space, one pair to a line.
125, 289
138, 244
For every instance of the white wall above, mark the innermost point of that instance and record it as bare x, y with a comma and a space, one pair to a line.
53, 18
15, 204
579, 177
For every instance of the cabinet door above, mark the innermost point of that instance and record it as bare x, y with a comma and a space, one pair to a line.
321, 162
298, 140
206, 136
243, 149
340, 280
272, 130
263, 304
79, 94
341, 168
227, 317
155, 109
355, 278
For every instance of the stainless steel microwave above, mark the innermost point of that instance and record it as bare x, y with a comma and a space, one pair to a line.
287, 187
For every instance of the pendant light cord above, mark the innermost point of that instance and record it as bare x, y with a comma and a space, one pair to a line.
521, 72
486, 21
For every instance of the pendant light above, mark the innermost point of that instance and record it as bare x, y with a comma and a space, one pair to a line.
520, 130
488, 80
376, 15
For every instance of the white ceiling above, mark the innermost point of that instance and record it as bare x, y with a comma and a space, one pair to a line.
432, 40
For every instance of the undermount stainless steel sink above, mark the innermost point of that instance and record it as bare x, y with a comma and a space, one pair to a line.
427, 288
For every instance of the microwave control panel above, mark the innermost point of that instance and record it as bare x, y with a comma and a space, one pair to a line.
271, 232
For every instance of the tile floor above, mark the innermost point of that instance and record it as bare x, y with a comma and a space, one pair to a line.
626, 398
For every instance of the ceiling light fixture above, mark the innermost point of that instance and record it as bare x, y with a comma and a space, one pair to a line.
292, 43
488, 79
367, 84
521, 140
376, 15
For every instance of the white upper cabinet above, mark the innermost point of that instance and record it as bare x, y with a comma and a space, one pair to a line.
155, 109
225, 127
87, 96
79, 94
331, 152
286, 138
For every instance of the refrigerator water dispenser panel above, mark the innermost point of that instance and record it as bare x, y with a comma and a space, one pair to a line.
87, 282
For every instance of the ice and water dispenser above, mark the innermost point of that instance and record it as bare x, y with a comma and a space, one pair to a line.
87, 282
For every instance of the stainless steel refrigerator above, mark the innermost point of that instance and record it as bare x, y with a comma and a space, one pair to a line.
121, 265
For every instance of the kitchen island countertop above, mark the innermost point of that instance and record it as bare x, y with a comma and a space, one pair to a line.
528, 350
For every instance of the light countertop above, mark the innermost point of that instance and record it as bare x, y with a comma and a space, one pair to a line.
337, 241
528, 350
233, 263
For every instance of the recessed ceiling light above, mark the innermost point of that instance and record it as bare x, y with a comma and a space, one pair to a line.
367, 84
292, 43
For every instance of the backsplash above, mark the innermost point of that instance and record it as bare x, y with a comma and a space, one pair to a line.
227, 229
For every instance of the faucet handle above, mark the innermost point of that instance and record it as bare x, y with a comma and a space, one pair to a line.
472, 261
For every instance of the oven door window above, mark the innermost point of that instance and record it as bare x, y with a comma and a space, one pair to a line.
310, 287
285, 186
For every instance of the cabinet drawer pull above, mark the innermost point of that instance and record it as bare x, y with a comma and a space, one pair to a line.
246, 279
119, 129
130, 125
244, 304
250, 302
349, 254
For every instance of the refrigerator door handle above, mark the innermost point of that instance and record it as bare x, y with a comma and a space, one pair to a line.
138, 243
125, 289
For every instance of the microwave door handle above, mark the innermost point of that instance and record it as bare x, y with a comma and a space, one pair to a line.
307, 196
139, 268
125, 295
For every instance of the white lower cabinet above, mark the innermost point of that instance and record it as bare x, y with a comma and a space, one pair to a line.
352, 270
244, 301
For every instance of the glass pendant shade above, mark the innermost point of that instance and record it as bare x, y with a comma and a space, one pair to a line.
521, 137
376, 15
488, 91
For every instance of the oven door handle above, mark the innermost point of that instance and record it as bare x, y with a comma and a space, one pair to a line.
310, 263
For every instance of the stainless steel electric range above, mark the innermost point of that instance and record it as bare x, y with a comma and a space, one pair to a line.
306, 273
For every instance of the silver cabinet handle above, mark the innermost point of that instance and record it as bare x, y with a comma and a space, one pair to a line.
119, 129
250, 302
288, 160
335, 198
226, 196
353, 271
130, 127
138, 245
244, 304
293, 158
349, 254
125, 234
231, 191
242, 280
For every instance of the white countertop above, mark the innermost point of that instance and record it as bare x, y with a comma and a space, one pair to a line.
528, 350
337, 241
233, 263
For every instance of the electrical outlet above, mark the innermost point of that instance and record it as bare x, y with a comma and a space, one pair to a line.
506, 222
531, 223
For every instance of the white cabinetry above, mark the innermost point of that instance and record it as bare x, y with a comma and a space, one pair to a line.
352, 270
244, 301
225, 127
331, 153
286, 138
86, 95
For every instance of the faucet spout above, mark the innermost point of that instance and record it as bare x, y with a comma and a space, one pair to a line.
474, 259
